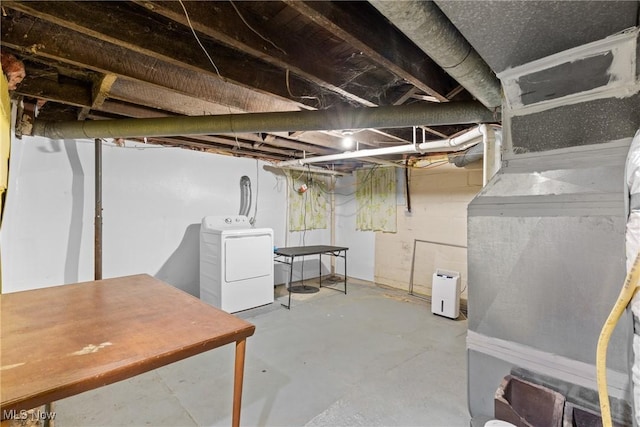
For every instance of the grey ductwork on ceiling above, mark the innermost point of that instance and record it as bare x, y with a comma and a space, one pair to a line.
473, 154
337, 119
425, 24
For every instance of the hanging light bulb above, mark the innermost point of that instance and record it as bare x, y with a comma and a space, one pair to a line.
347, 138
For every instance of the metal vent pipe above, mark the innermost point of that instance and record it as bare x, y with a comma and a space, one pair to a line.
429, 28
338, 119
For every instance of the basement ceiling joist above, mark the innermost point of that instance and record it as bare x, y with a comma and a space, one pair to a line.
102, 60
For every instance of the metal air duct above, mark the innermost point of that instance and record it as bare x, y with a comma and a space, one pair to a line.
473, 154
425, 24
336, 119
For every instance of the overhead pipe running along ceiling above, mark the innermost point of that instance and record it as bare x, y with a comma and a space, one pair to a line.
458, 143
429, 28
316, 120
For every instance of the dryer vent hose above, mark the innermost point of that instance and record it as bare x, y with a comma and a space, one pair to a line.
626, 294
245, 196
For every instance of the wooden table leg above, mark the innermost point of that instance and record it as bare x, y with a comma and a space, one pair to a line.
237, 382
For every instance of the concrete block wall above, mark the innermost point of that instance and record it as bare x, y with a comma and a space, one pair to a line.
439, 199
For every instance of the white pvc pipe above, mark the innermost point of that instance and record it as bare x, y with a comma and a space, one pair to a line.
314, 170
457, 143
489, 145
399, 149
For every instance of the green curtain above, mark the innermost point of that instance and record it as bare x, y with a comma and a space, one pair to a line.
376, 199
308, 210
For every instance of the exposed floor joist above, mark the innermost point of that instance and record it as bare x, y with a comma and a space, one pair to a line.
104, 60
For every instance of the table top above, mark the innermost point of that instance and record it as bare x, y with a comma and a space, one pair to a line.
308, 250
60, 341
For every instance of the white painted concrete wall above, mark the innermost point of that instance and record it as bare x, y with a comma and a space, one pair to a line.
361, 244
439, 199
153, 198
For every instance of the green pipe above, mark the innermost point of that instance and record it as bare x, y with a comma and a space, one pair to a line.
449, 113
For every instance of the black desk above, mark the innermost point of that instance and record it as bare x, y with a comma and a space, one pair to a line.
292, 252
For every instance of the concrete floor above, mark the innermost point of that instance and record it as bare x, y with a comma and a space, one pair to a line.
373, 357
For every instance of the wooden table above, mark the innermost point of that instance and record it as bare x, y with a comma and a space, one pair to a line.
60, 341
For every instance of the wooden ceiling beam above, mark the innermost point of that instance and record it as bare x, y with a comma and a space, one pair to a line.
405, 96
160, 44
100, 93
166, 99
226, 147
48, 42
223, 23
69, 92
127, 110
239, 143
373, 36
277, 141
141, 79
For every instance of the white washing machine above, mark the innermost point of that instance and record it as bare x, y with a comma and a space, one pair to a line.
236, 263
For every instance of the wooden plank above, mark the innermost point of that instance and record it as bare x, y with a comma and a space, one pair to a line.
239, 143
226, 149
69, 92
127, 110
49, 42
74, 33
405, 96
277, 141
73, 338
100, 93
373, 36
137, 92
223, 22
52, 42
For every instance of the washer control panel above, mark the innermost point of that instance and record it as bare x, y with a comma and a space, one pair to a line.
227, 221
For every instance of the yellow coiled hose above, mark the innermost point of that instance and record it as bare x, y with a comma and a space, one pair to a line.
626, 294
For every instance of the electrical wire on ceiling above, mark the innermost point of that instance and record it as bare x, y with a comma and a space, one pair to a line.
277, 47
215, 67
296, 96
255, 31
186, 14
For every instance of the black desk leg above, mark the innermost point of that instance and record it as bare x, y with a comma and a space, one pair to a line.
290, 281
345, 272
320, 269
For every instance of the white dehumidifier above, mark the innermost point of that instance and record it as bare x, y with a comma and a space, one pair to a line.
445, 293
